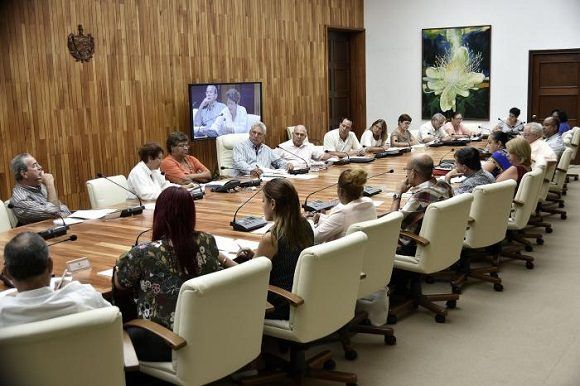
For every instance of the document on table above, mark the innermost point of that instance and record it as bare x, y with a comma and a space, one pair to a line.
91, 214
231, 246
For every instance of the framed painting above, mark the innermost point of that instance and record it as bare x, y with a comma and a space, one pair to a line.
455, 71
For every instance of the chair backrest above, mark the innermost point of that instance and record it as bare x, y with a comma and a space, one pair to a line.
221, 316
526, 198
290, 131
444, 226
489, 213
11, 216
82, 349
383, 235
4, 218
574, 140
327, 277
562, 169
548, 176
104, 193
252, 118
225, 149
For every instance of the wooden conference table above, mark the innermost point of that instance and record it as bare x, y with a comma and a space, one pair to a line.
103, 241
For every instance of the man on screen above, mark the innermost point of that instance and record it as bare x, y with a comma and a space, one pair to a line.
209, 109
252, 156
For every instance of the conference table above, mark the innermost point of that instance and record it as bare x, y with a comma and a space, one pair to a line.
102, 241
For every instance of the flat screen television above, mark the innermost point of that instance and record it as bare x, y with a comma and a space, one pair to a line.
224, 108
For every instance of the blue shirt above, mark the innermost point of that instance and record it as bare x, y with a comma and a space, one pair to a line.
247, 157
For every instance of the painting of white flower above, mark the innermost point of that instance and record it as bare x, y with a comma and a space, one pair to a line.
456, 71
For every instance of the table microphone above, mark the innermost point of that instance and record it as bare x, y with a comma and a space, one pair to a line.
50, 233
296, 171
249, 223
139, 236
340, 161
318, 205
128, 211
369, 191
70, 238
445, 155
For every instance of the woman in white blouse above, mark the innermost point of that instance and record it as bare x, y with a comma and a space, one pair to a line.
145, 178
375, 137
233, 118
353, 207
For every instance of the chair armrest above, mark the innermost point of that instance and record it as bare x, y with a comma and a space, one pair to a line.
418, 239
363, 275
470, 220
129, 355
518, 203
172, 339
294, 300
561, 170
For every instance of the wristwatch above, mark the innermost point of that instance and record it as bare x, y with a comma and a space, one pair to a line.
396, 196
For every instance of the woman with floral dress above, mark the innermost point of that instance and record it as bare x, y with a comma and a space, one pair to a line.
156, 270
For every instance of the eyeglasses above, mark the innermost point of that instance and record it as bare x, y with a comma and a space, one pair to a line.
182, 145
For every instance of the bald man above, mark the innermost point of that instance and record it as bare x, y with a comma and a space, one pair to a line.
298, 151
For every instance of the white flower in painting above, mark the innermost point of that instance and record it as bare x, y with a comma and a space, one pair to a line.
455, 74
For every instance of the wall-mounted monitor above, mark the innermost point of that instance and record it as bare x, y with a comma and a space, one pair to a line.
224, 108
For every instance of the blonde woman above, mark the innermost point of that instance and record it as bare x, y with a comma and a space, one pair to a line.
520, 156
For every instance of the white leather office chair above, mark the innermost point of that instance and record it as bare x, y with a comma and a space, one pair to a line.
81, 349
536, 219
487, 226
572, 140
103, 193
218, 325
383, 235
11, 216
323, 298
438, 247
225, 148
5, 223
557, 187
253, 118
290, 130
523, 204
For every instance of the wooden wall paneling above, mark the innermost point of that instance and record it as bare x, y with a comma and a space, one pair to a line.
79, 119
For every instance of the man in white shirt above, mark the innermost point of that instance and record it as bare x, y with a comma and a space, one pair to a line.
298, 151
433, 130
29, 267
541, 151
551, 128
342, 141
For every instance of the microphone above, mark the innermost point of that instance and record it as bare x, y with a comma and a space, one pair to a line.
296, 171
439, 165
139, 236
249, 223
369, 191
128, 211
341, 161
50, 233
70, 238
318, 205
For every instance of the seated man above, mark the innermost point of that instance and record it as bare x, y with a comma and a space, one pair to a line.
424, 189
342, 141
145, 178
552, 135
180, 167
34, 196
30, 268
252, 156
468, 164
209, 109
433, 130
298, 151
541, 151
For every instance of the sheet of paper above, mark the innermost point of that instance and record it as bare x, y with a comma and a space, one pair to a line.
227, 244
106, 272
68, 221
92, 214
264, 229
251, 244
149, 205
377, 203
457, 180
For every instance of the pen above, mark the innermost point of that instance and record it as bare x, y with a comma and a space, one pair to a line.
59, 286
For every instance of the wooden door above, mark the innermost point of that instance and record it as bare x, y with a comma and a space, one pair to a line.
346, 78
554, 83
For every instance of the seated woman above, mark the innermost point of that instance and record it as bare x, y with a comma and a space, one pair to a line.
145, 178
353, 207
455, 127
512, 125
156, 270
402, 137
498, 162
284, 242
520, 156
374, 139
233, 118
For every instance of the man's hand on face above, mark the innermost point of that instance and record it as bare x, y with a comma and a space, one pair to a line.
47, 179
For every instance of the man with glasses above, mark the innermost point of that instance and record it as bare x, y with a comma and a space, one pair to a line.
252, 156
180, 167
551, 127
541, 151
424, 189
34, 197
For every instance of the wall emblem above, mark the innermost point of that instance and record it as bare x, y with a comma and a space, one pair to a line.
81, 46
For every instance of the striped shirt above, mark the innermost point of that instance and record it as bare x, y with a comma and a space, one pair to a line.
31, 204
247, 158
